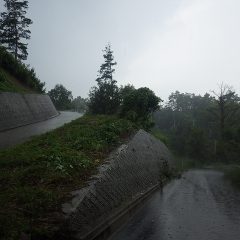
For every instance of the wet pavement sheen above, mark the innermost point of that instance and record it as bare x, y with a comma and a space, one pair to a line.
201, 205
18, 135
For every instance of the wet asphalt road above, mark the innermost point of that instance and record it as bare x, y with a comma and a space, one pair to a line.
201, 205
18, 135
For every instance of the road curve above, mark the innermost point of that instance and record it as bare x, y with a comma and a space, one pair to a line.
18, 135
202, 205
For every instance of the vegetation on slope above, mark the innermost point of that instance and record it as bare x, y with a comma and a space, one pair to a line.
36, 177
25, 77
9, 83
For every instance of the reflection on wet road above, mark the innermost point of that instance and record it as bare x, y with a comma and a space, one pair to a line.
201, 205
21, 134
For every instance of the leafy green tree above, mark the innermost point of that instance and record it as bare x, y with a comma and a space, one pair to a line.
139, 104
14, 28
193, 107
105, 98
61, 97
126, 90
180, 101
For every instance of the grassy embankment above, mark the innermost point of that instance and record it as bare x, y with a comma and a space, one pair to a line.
37, 176
9, 83
16, 76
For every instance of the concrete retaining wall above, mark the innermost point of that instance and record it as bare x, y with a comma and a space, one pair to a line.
22, 109
131, 171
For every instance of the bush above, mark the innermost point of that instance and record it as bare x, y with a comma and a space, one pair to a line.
138, 106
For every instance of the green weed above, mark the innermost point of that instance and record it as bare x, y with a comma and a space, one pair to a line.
36, 177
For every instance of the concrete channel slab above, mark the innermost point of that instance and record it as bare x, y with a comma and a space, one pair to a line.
18, 109
128, 176
19, 135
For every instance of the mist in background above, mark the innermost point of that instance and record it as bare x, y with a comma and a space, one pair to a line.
185, 45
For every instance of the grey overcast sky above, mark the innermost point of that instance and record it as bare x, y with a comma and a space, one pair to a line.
166, 45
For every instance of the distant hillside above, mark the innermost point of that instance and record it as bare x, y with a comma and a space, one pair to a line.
16, 76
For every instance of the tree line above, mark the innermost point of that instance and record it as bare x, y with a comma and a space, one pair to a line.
63, 100
106, 97
202, 127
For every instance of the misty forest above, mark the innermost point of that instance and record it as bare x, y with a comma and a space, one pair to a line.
121, 162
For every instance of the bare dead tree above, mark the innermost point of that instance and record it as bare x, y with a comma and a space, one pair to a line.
228, 105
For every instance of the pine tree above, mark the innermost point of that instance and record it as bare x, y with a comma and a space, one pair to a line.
105, 99
14, 28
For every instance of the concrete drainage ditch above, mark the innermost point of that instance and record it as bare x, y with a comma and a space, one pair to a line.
128, 177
